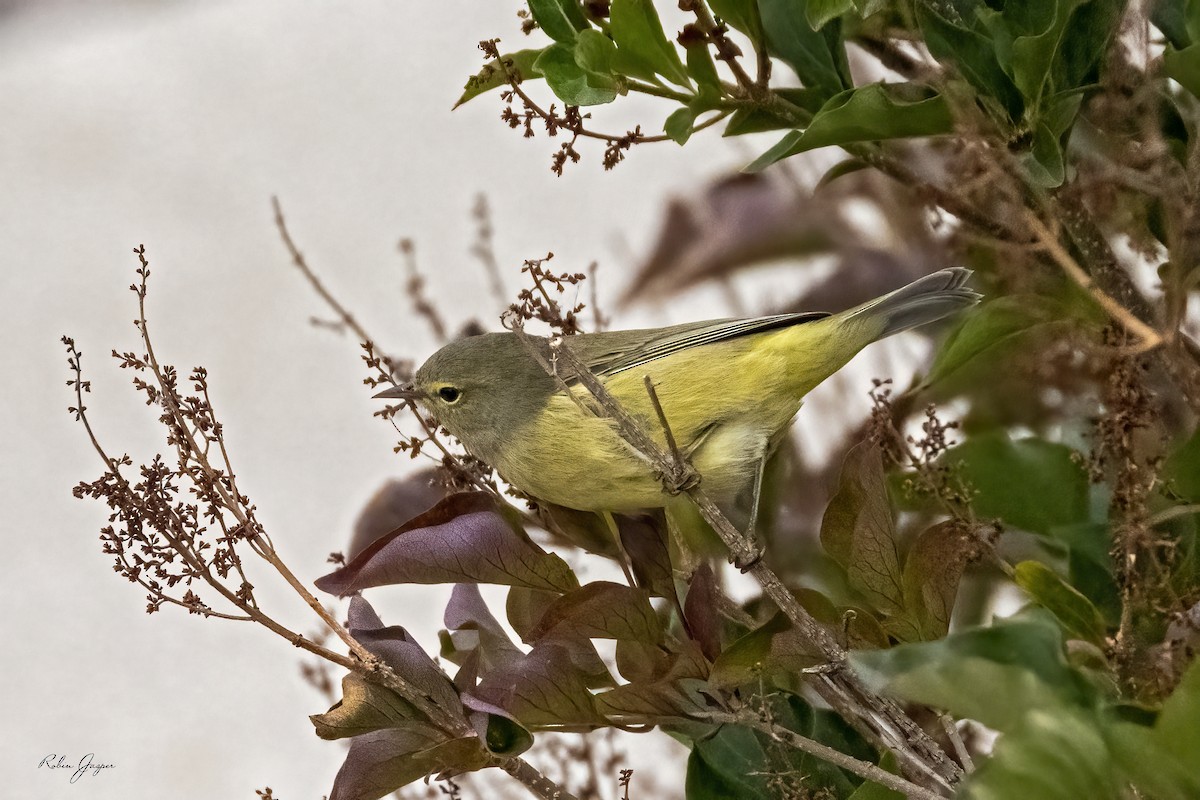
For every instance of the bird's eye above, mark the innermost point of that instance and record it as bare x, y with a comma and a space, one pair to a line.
449, 394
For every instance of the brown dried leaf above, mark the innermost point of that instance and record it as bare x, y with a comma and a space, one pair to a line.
858, 531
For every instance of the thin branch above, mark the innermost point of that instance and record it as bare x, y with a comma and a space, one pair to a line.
956, 740
1148, 336
301, 264
727, 51
533, 780
856, 766
1173, 513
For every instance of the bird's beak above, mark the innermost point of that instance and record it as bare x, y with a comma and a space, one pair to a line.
405, 391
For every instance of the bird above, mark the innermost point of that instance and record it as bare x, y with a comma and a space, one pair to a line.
729, 390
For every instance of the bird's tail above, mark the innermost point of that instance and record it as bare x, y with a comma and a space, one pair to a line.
926, 299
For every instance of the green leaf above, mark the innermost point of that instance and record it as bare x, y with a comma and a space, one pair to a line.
1179, 20
736, 762
1057, 754
1073, 610
994, 675
817, 57
774, 646
858, 532
867, 8
595, 52
1183, 66
986, 336
1044, 162
639, 36
966, 47
493, 75
1178, 726
502, 735
1182, 469
679, 124
561, 20
1038, 30
933, 568
742, 15
1138, 753
703, 69
525, 609
570, 82
819, 12
1030, 484
1083, 47
875, 112
755, 120
842, 168
672, 699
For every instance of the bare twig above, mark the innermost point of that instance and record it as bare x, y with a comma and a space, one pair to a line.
956, 740
414, 286
856, 766
1148, 336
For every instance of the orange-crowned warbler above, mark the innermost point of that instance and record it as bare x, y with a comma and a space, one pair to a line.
729, 389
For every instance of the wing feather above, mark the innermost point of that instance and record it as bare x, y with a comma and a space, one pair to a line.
611, 353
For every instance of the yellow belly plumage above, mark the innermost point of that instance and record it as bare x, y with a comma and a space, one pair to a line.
727, 404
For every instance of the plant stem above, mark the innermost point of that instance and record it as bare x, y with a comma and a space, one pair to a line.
860, 768
533, 780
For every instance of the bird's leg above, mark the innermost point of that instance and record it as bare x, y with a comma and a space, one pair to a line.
622, 556
751, 526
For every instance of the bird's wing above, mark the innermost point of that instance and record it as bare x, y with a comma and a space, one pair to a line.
611, 352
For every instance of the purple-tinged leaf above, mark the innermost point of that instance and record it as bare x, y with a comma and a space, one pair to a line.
497, 728
601, 610
700, 611
392, 505
379, 763
675, 693
402, 653
666, 699
639, 662
542, 689
362, 615
586, 530
472, 627
932, 570
645, 540
467, 676
858, 531
525, 608
367, 707
468, 537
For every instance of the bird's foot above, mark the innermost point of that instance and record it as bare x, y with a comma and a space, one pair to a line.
751, 561
681, 478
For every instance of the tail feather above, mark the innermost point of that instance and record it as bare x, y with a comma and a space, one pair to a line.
926, 299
